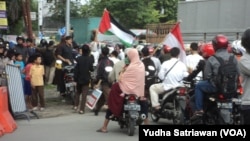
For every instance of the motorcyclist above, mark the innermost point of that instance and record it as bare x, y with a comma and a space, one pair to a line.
237, 49
220, 44
171, 72
131, 81
244, 69
206, 50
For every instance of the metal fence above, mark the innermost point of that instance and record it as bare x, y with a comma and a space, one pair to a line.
16, 92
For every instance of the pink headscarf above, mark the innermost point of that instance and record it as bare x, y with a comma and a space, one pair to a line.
132, 80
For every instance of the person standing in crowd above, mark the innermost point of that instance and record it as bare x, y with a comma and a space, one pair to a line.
27, 85
49, 60
20, 64
171, 72
19, 48
37, 83
102, 79
30, 47
114, 56
131, 81
64, 53
193, 59
3, 61
120, 50
10, 56
84, 65
244, 66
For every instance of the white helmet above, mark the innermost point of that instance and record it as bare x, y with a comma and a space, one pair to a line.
237, 48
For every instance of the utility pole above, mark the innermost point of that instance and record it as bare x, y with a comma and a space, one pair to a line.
26, 17
67, 18
30, 32
40, 18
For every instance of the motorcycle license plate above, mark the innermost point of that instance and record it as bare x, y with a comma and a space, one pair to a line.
132, 107
70, 84
225, 105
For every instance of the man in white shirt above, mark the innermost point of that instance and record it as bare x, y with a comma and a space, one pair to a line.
172, 79
113, 56
193, 59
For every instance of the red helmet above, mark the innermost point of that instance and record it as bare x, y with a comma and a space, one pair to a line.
207, 50
220, 41
166, 49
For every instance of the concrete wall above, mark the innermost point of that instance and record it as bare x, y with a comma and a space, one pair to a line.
202, 20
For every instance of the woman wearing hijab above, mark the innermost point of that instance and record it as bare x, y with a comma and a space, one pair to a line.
131, 81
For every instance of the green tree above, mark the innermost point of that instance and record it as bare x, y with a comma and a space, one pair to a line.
59, 10
15, 16
131, 14
168, 10
134, 13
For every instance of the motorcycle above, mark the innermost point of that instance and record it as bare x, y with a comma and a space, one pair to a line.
217, 109
171, 104
70, 85
132, 114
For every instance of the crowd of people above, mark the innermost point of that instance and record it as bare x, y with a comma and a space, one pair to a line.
117, 71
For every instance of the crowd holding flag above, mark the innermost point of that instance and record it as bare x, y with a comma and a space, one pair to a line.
174, 39
109, 26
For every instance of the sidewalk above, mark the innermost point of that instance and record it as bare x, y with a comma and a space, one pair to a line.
54, 104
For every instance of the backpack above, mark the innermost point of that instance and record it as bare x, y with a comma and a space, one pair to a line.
228, 78
48, 57
150, 70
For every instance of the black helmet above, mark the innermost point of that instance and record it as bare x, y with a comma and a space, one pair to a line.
43, 43
20, 38
51, 43
29, 40
245, 40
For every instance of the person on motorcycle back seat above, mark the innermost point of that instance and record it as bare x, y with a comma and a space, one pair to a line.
220, 44
131, 81
193, 59
206, 50
171, 72
237, 49
244, 66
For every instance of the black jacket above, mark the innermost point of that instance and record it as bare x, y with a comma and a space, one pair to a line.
200, 67
84, 65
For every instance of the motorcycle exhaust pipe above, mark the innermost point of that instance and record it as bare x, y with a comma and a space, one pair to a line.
143, 116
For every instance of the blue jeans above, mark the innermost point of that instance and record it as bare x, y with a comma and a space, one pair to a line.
201, 88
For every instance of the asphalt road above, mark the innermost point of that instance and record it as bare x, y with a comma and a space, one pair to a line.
60, 123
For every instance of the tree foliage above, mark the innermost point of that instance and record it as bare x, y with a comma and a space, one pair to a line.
134, 13
15, 16
59, 10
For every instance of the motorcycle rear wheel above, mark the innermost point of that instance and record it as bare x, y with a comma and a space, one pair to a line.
131, 127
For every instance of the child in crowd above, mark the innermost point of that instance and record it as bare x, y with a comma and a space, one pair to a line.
37, 82
20, 64
27, 85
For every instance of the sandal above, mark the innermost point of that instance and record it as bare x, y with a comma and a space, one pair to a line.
101, 131
81, 112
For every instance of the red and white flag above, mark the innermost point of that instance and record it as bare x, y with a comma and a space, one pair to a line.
174, 39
